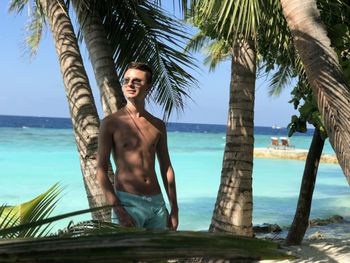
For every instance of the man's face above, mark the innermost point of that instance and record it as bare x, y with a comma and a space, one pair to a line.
135, 84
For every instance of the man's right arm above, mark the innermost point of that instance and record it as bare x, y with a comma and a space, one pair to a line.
105, 142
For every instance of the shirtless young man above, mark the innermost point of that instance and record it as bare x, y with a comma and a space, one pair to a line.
135, 136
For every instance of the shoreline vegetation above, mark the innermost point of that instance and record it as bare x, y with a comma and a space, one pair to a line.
293, 154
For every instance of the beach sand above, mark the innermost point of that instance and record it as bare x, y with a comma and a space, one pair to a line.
290, 153
324, 250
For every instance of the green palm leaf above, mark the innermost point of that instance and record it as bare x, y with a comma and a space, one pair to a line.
14, 229
280, 80
32, 219
217, 52
138, 30
141, 31
24, 214
35, 25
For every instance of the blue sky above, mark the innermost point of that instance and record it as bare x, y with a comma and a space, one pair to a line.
35, 87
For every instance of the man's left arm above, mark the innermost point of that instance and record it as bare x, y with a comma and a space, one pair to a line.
168, 177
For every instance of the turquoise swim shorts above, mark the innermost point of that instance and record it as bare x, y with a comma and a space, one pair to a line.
147, 211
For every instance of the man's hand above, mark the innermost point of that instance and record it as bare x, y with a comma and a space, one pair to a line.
123, 216
173, 220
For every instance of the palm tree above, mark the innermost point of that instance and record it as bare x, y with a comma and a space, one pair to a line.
320, 61
289, 65
308, 114
100, 54
82, 107
136, 31
324, 73
273, 28
234, 204
301, 218
233, 208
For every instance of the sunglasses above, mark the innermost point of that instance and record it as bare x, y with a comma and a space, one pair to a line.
134, 82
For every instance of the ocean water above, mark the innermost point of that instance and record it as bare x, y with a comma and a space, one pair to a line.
37, 152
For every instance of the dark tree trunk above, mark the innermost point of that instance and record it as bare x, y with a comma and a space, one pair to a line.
85, 119
301, 218
324, 74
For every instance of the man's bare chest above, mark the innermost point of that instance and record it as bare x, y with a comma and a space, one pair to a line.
136, 138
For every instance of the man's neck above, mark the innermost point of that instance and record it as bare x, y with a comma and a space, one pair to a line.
135, 109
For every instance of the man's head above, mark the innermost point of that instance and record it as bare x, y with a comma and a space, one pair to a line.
143, 67
137, 80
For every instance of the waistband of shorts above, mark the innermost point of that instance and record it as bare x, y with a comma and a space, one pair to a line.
148, 198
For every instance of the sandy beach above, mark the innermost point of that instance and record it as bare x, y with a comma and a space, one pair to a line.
324, 250
290, 153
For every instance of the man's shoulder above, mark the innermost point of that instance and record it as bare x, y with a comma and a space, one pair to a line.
159, 123
120, 114
113, 119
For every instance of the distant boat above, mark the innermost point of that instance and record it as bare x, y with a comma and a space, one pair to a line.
276, 127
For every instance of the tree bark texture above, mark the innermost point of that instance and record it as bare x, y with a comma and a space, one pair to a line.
234, 204
301, 218
80, 100
324, 74
101, 57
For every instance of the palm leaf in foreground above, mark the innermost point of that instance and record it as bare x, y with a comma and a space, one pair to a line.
27, 213
10, 232
143, 246
31, 219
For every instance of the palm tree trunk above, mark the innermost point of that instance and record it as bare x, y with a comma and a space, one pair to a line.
301, 218
234, 205
101, 57
324, 74
80, 99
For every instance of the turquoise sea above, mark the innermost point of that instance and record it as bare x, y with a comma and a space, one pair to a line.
35, 153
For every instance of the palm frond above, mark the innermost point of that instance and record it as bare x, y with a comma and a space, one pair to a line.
17, 6
197, 42
217, 52
34, 29
159, 41
8, 217
234, 18
142, 31
24, 214
13, 231
35, 25
280, 80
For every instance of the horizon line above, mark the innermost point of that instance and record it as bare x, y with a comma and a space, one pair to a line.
219, 124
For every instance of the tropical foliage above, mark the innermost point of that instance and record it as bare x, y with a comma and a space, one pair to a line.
137, 31
33, 219
284, 57
233, 208
27, 213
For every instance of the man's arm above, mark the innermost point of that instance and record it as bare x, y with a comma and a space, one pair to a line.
168, 177
105, 142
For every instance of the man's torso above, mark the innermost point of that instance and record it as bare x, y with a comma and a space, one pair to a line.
134, 146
